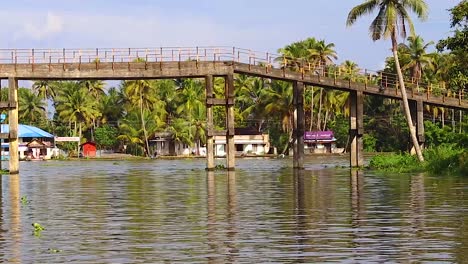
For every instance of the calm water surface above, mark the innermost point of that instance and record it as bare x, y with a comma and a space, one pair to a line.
164, 211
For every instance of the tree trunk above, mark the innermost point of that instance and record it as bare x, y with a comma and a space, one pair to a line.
311, 109
143, 124
443, 116
460, 123
405, 98
320, 110
453, 120
325, 119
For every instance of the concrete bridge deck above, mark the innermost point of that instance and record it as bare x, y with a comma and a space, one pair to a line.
198, 62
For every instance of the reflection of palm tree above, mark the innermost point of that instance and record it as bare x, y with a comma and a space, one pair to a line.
392, 19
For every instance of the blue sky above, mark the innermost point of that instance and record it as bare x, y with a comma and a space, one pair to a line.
254, 24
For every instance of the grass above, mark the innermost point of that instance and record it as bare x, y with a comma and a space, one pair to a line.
444, 159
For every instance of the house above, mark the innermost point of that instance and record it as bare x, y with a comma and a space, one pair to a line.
247, 142
163, 144
319, 142
89, 149
41, 143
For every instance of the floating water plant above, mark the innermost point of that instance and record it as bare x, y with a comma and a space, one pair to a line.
54, 250
24, 200
38, 228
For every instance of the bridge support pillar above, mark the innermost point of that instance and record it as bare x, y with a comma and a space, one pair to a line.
210, 164
417, 116
356, 128
298, 130
230, 145
13, 125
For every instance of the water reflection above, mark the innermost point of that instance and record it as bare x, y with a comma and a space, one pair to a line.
300, 214
156, 211
14, 215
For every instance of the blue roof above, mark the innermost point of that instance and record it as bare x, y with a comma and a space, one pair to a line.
26, 131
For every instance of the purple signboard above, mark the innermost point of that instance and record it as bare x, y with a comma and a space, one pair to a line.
318, 135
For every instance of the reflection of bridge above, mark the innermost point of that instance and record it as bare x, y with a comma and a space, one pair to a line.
209, 62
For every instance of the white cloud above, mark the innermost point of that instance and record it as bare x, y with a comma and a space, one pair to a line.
39, 28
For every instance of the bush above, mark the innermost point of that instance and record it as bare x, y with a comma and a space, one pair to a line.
395, 163
445, 159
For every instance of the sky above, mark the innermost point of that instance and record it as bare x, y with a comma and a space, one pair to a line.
263, 25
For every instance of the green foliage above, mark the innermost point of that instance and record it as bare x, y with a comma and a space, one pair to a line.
370, 142
439, 160
340, 127
436, 136
395, 163
106, 136
458, 45
445, 159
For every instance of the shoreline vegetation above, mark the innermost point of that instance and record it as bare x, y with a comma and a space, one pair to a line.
442, 160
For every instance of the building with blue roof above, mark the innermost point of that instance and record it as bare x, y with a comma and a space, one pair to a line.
34, 143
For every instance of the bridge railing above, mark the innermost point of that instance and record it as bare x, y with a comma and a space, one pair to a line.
268, 60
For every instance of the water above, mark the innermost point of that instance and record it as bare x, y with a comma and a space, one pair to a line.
164, 211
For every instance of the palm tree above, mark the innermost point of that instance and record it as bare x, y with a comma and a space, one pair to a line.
45, 90
74, 105
321, 54
416, 55
140, 93
350, 70
277, 101
31, 107
111, 106
95, 87
392, 19
191, 104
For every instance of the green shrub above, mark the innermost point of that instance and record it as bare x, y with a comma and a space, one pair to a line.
395, 163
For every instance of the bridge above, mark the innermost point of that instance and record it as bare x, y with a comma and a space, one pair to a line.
210, 62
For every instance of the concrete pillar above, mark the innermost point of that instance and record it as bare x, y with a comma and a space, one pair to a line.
299, 124
13, 125
230, 146
210, 164
356, 128
417, 116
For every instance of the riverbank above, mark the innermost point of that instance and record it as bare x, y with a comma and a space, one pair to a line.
440, 160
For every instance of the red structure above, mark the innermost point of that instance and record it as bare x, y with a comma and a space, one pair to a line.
89, 149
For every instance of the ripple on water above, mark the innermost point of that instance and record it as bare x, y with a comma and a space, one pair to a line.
172, 210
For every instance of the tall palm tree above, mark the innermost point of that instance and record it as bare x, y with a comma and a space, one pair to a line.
192, 107
140, 93
392, 18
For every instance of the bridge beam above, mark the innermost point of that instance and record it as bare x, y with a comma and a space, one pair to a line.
299, 120
210, 164
230, 145
417, 116
356, 128
13, 125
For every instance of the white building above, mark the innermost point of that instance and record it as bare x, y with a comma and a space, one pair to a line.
245, 144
